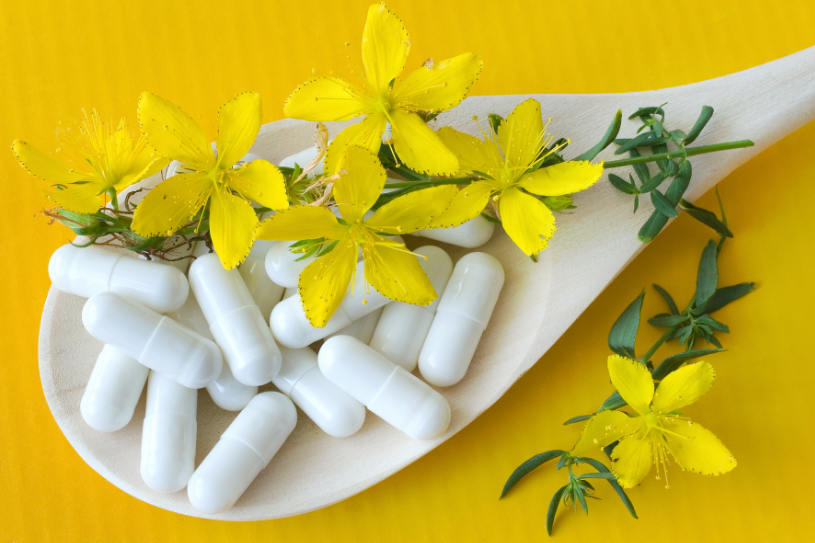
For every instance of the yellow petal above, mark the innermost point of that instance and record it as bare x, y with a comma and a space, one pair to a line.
633, 381
562, 178
439, 87
261, 182
232, 226
420, 147
238, 125
43, 166
395, 273
696, 448
78, 197
323, 283
603, 429
366, 133
325, 99
361, 181
173, 133
412, 211
474, 154
385, 46
142, 168
521, 136
631, 460
171, 204
467, 204
301, 222
683, 387
526, 220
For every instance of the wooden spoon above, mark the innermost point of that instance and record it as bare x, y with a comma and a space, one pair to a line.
539, 301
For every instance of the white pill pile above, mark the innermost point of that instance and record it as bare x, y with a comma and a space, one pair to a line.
237, 339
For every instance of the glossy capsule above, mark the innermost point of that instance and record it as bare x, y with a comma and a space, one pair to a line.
461, 317
244, 449
402, 328
264, 291
113, 390
388, 390
335, 412
157, 341
363, 328
284, 267
292, 329
86, 271
473, 233
235, 321
168, 434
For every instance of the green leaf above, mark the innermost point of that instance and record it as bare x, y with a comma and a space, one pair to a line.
662, 204
667, 320
607, 139
647, 112
597, 475
657, 221
699, 125
647, 139
614, 401
640, 169
558, 203
672, 363
624, 330
653, 183
621, 184
528, 466
581, 499
553, 505
708, 276
614, 484
667, 297
579, 418
706, 217
725, 295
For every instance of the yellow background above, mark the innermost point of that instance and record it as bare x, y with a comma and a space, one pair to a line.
58, 57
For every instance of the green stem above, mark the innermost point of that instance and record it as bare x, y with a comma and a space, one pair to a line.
690, 151
647, 356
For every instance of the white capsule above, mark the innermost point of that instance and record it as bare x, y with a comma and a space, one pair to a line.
335, 412
461, 317
235, 321
245, 448
86, 271
284, 267
226, 391
156, 341
401, 399
292, 329
289, 292
264, 291
113, 390
303, 159
168, 434
473, 233
402, 328
363, 328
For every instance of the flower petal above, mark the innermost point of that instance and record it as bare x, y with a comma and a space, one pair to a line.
325, 99
526, 220
412, 211
602, 429
562, 178
143, 167
360, 183
385, 46
171, 204
439, 87
366, 133
467, 204
77, 197
419, 146
232, 225
683, 387
238, 125
697, 449
521, 136
474, 154
301, 222
633, 381
323, 283
43, 166
395, 272
173, 133
262, 182
631, 460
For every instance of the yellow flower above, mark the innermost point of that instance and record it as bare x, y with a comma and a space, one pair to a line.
216, 178
505, 162
390, 267
110, 161
656, 430
388, 100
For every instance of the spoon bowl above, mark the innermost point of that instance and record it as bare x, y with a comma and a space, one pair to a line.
538, 302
